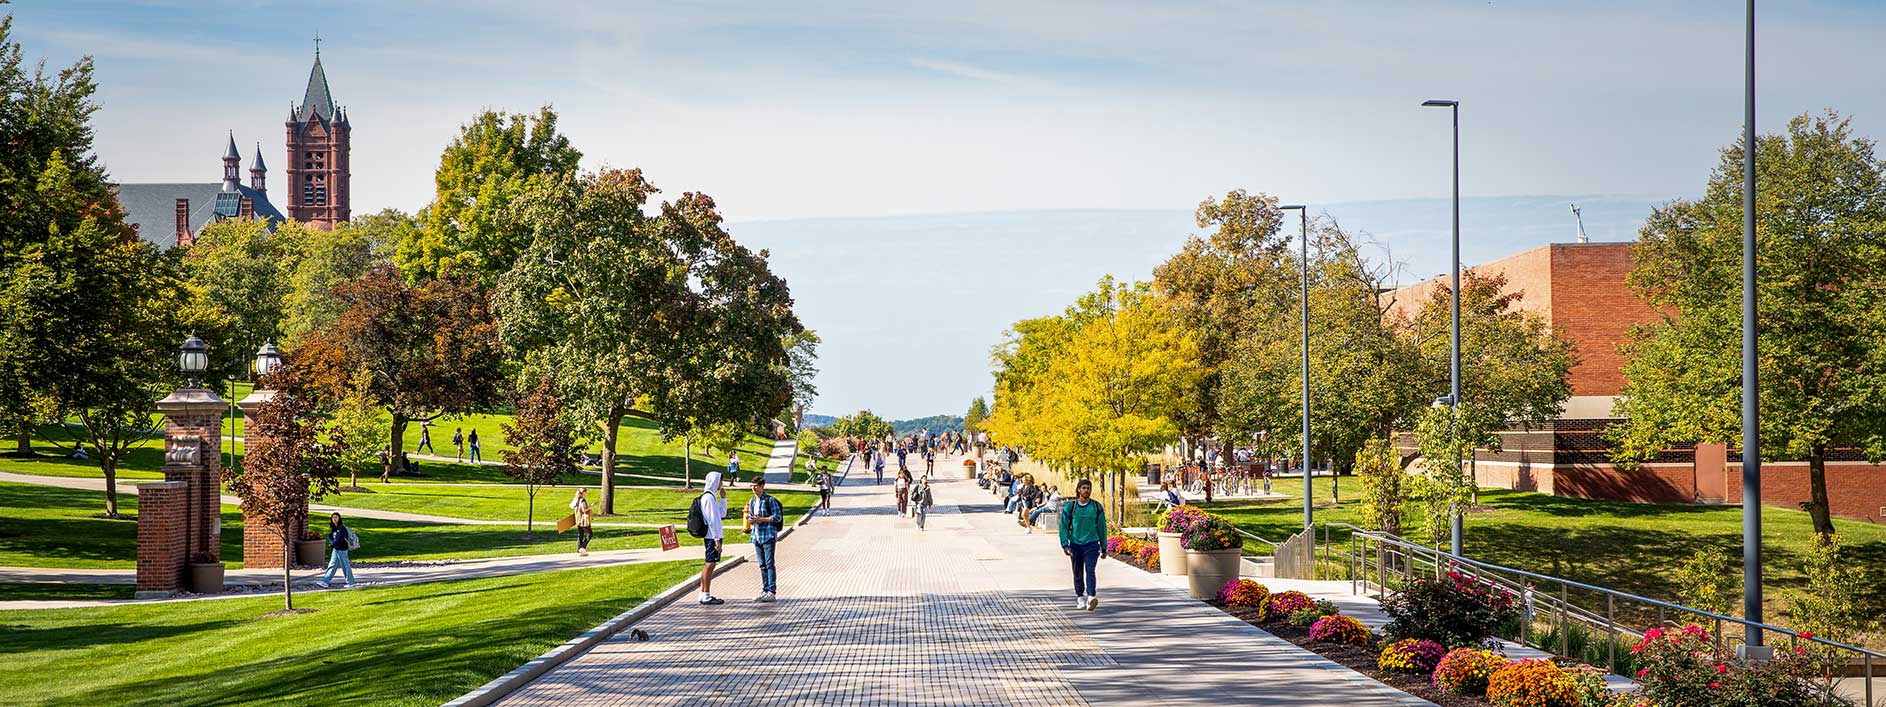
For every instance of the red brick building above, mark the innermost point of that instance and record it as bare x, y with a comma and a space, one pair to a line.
1580, 290
319, 139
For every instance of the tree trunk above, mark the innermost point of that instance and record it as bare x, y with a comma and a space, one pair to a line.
23, 439
288, 566
612, 424
687, 462
395, 446
110, 467
1817, 507
530, 514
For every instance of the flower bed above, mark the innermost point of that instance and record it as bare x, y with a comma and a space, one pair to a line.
1134, 551
1410, 655
1243, 592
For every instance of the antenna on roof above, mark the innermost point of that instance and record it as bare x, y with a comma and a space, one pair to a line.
1580, 217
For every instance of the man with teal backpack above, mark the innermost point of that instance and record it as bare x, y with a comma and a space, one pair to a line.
1083, 540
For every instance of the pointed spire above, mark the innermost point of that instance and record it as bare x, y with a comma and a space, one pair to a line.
257, 165
232, 164
232, 153
316, 101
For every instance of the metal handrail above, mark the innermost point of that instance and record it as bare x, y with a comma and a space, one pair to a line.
1389, 539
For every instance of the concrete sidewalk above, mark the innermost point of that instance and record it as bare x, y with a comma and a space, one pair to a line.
971, 611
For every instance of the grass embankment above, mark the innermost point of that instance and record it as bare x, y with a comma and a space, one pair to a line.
417, 644
1631, 547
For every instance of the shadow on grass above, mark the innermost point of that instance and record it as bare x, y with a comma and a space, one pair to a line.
27, 639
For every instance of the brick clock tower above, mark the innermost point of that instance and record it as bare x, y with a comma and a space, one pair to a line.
318, 164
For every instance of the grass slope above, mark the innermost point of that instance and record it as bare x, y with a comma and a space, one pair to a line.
418, 644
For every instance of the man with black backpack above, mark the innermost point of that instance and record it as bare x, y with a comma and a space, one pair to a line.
704, 522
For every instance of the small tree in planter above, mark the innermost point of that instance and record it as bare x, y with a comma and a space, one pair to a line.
284, 466
542, 444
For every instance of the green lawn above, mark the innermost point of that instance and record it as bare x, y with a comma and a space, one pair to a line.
42, 526
65, 592
1631, 547
632, 505
417, 644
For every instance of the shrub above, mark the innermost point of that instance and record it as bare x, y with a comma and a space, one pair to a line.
1458, 611
834, 448
1532, 683
1464, 671
1410, 655
1181, 519
1684, 668
1305, 617
1287, 603
1339, 629
1213, 533
1244, 592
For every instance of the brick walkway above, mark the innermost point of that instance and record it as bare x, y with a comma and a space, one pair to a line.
972, 611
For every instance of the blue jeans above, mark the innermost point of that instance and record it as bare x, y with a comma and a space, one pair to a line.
1085, 556
1032, 515
769, 575
337, 560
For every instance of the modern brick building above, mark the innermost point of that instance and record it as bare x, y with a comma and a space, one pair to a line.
316, 193
1579, 288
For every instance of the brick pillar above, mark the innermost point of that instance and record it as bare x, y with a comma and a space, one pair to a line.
261, 542
163, 537
193, 453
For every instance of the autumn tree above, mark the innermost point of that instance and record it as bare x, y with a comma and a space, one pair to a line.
494, 162
542, 444
432, 348
1821, 278
285, 465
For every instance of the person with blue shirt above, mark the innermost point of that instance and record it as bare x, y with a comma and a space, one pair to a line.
765, 516
1083, 540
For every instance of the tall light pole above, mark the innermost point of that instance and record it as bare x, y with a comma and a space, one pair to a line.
1303, 216
1453, 396
1751, 373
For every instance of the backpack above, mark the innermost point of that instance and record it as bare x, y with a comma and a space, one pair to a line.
697, 522
353, 540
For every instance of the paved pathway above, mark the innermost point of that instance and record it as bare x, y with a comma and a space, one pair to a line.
972, 611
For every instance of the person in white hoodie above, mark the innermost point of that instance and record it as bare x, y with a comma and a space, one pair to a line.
713, 510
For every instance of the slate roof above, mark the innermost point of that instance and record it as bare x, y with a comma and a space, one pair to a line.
316, 101
153, 207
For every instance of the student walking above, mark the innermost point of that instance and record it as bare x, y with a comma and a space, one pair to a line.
458, 440
878, 466
340, 541
579, 507
922, 500
1083, 540
713, 505
765, 515
733, 466
902, 489
425, 436
473, 439
824, 481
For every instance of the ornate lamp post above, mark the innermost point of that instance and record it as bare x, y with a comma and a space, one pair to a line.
193, 358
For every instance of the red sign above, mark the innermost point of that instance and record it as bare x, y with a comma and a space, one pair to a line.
668, 540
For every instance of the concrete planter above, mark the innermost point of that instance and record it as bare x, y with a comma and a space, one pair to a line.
311, 552
1171, 554
1209, 571
206, 577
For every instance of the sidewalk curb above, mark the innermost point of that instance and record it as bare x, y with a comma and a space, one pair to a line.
489, 693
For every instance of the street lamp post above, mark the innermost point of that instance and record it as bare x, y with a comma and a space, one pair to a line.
193, 358
1454, 335
1303, 216
1751, 373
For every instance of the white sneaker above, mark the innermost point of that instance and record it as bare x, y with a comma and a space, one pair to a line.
322, 585
765, 597
1092, 603
1080, 603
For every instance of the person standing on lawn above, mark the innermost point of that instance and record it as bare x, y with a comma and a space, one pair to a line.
713, 503
458, 440
340, 541
922, 499
1083, 540
765, 515
733, 466
579, 507
473, 439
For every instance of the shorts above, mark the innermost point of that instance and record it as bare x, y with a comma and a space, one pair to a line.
710, 550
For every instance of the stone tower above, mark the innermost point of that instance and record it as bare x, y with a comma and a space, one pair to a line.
318, 165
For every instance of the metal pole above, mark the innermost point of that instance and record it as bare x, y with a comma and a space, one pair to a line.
1751, 374
1454, 340
1303, 302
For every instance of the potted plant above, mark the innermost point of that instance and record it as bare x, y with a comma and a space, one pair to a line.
311, 550
1172, 527
1212, 555
206, 574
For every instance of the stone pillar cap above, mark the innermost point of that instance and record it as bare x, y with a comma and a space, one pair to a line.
192, 396
162, 485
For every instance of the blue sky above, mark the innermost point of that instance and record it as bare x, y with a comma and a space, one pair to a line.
857, 111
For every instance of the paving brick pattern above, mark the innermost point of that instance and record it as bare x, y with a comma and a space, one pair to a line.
972, 611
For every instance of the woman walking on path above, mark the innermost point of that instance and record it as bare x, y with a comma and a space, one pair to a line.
824, 481
579, 507
340, 541
922, 500
473, 439
903, 493
458, 440
1083, 540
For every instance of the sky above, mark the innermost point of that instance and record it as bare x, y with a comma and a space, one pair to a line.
885, 145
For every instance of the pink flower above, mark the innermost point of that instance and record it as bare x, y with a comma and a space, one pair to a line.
1715, 685
1722, 668
1642, 671
1653, 634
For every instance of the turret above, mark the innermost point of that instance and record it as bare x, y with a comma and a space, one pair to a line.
232, 165
258, 172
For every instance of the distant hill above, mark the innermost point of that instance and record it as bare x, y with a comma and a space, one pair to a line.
933, 423
812, 420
